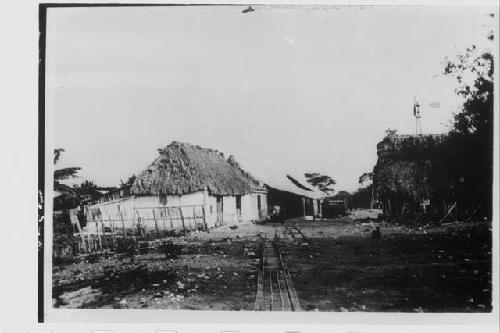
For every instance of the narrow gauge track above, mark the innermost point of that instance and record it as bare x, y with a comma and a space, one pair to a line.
295, 233
275, 291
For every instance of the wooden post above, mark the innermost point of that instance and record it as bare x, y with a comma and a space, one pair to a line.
304, 206
164, 217
89, 238
113, 231
123, 226
82, 236
104, 238
74, 220
182, 219
133, 229
204, 217
194, 218
170, 218
103, 229
156, 224
371, 200
97, 231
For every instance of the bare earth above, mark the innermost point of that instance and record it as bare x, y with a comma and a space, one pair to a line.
334, 265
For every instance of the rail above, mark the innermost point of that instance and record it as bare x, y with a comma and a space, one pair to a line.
275, 291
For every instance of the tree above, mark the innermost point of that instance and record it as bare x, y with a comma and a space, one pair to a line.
474, 74
390, 132
129, 182
366, 178
57, 154
471, 135
87, 185
322, 182
361, 198
65, 173
68, 196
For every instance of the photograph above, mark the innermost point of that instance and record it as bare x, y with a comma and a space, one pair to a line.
267, 157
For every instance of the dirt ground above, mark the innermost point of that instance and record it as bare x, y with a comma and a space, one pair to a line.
334, 265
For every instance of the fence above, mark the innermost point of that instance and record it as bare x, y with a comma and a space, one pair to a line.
146, 223
110, 231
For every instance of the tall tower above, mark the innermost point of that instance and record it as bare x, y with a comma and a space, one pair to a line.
418, 118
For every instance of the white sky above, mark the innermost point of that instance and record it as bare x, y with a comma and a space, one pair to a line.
299, 90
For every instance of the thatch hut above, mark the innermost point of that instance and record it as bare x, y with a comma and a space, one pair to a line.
412, 177
186, 187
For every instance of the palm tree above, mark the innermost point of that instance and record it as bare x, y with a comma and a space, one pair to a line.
65, 196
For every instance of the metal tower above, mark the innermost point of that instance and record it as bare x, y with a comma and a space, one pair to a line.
418, 118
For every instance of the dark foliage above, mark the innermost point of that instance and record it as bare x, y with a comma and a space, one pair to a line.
57, 154
366, 177
67, 197
323, 182
470, 152
445, 169
65, 173
128, 183
362, 198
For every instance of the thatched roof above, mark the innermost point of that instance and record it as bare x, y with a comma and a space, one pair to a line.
411, 165
255, 184
183, 168
405, 145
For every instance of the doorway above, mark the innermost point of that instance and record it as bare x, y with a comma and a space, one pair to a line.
259, 206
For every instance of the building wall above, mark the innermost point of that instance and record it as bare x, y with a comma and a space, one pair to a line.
211, 211
264, 210
168, 213
249, 207
230, 215
291, 204
317, 203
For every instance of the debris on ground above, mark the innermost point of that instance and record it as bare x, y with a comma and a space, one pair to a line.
338, 268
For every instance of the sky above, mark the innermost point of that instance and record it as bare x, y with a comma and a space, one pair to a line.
295, 89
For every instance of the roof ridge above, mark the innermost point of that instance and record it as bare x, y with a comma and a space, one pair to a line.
184, 168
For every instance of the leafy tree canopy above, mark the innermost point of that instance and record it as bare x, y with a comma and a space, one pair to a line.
69, 197
473, 71
323, 182
390, 132
366, 178
129, 182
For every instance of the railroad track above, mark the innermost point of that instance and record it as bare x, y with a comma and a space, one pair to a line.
275, 291
296, 233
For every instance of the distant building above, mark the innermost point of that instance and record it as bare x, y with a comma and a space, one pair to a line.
291, 192
336, 205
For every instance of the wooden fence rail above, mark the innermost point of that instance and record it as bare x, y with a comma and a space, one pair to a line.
110, 231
